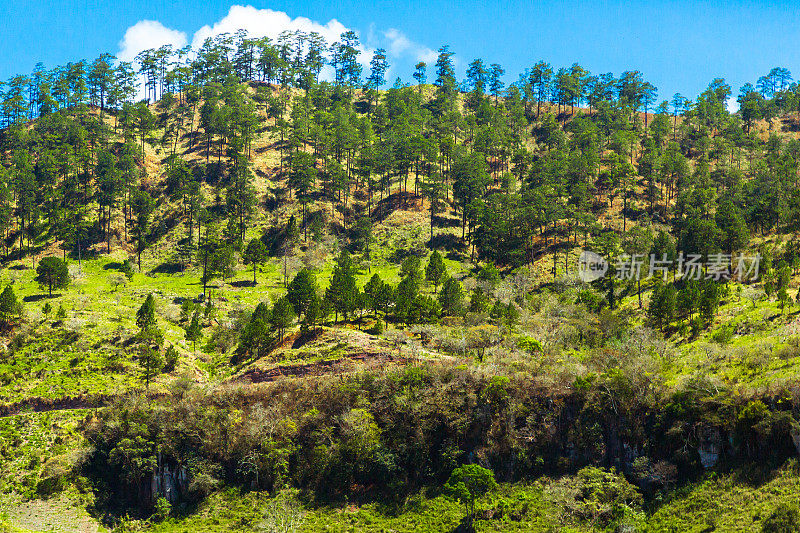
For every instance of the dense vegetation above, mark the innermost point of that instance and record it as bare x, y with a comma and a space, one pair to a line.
409, 254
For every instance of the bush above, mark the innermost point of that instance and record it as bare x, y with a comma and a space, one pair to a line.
723, 335
467, 483
53, 476
489, 273
170, 358
162, 510
282, 513
605, 496
127, 268
592, 300
530, 345
784, 519
377, 329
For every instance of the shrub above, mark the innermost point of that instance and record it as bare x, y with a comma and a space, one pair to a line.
162, 510
592, 300
784, 519
53, 476
377, 329
127, 268
605, 496
282, 513
117, 280
530, 345
170, 358
489, 273
467, 483
723, 335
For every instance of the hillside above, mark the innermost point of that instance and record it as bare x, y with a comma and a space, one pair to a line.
265, 302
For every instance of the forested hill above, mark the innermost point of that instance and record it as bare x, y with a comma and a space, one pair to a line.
562, 154
237, 294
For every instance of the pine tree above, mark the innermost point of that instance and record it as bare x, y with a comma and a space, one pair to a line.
478, 302
146, 315
301, 291
407, 291
151, 361
378, 295
661, 310
342, 291
436, 270
255, 254
142, 205
256, 337
10, 308
283, 314
313, 313
52, 273
194, 331
451, 297
411, 268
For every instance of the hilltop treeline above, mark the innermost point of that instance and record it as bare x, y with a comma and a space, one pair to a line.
523, 166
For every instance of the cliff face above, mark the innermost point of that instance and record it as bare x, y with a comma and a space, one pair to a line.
169, 481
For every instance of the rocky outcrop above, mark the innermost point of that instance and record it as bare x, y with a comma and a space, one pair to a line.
710, 447
168, 481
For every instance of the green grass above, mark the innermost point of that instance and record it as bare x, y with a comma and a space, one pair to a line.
524, 508
739, 501
92, 359
29, 441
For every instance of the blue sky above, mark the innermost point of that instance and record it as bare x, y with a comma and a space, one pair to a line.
679, 45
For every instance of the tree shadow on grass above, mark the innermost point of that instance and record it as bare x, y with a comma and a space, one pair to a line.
301, 340
168, 268
40, 297
446, 222
768, 469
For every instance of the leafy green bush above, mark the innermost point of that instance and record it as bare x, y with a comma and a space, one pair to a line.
468, 483
784, 519
604, 495
723, 335
530, 345
162, 510
53, 477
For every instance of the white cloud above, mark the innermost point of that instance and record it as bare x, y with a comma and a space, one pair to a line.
270, 23
399, 45
147, 34
401, 50
266, 23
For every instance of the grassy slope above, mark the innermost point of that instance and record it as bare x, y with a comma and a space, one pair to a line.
733, 502
89, 362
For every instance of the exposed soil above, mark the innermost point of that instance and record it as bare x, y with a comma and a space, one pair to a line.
318, 368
